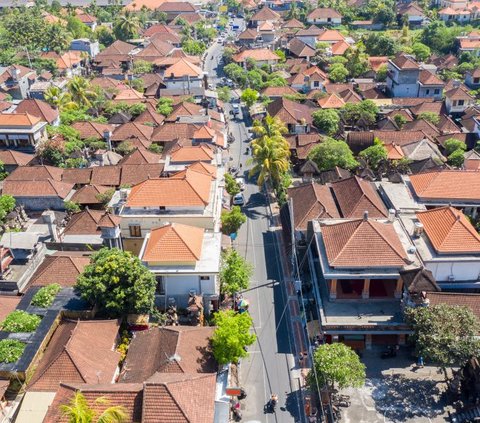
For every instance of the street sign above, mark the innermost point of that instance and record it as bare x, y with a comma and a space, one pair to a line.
233, 391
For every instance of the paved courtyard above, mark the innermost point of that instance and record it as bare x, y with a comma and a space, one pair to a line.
396, 391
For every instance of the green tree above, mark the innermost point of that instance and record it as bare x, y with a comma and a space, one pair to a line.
165, 106
224, 94
59, 99
375, 154
231, 184
79, 411
429, 117
232, 220
118, 283
421, 51
25, 28
77, 28
104, 35
337, 72
457, 158
379, 44
231, 336
365, 111
270, 151
249, 96
126, 26
235, 272
452, 145
400, 120
7, 204
326, 120
336, 365
194, 47
81, 92
444, 334
357, 60
71, 206
441, 38
331, 153
142, 66
381, 75
58, 38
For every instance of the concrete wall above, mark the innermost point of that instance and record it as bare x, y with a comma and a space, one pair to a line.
462, 271
40, 203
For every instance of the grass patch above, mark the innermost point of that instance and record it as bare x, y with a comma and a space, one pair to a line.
45, 296
20, 321
10, 350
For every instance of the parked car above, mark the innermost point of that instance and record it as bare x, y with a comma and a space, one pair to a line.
241, 183
238, 200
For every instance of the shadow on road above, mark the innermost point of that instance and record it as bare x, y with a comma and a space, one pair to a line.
291, 404
254, 201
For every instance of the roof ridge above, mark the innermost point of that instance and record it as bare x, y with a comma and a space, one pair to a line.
385, 239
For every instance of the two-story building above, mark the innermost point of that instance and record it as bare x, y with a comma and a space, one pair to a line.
324, 16
183, 75
21, 130
297, 117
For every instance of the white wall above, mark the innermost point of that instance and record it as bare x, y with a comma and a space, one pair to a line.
462, 271
183, 284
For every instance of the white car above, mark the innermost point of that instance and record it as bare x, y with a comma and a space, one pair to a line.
238, 200
241, 183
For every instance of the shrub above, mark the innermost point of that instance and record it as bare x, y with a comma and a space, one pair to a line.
45, 296
10, 350
20, 321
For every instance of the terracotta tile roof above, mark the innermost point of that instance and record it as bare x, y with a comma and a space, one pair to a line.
84, 223
332, 101
12, 157
174, 243
394, 152
290, 112
312, 30
302, 144
300, 49
18, 119
39, 188
447, 185
183, 68
458, 94
266, 27
350, 96
330, 35
118, 47
205, 168
9, 71
293, 23
164, 399
340, 47
132, 130
355, 196
150, 116
248, 34
140, 156
92, 129
176, 6
173, 131
86, 18
8, 303
400, 138
128, 395
311, 201
106, 175
106, 82
204, 133
265, 14
183, 189
402, 61
324, 13
129, 94
363, 243
177, 349
471, 301
185, 108
35, 173
428, 78
39, 109
449, 231
78, 352
133, 174
278, 91
88, 194
376, 62
77, 176
62, 267
186, 154
158, 29
338, 88
261, 54
423, 125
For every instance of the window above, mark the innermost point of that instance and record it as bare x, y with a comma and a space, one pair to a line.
204, 278
476, 80
436, 92
461, 102
316, 83
427, 92
162, 208
329, 19
160, 285
135, 231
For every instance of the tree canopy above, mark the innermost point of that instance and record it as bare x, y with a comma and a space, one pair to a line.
331, 153
231, 336
327, 120
235, 272
336, 365
375, 154
118, 283
232, 220
444, 334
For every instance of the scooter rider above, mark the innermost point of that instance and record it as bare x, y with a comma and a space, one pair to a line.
273, 401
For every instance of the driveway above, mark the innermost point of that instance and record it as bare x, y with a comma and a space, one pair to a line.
396, 391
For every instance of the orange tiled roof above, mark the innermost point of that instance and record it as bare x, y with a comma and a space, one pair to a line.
332, 101
447, 185
257, 54
174, 243
183, 68
449, 230
18, 119
363, 243
394, 152
192, 153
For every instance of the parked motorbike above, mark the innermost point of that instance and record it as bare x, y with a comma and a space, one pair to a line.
242, 395
389, 352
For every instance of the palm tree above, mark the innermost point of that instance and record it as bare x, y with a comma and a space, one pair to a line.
81, 92
79, 411
59, 99
270, 151
127, 26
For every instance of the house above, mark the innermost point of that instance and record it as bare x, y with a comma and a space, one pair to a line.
355, 267
171, 349
447, 245
68, 63
158, 201
16, 81
86, 19
331, 101
472, 160
297, 117
472, 79
184, 259
39, 109
21, 130
299, 49
183, 75
264, 15
457, 100
248, 37
160, 399
175, 8
85, 45
324, 16
261, 56
12, 159
414, 13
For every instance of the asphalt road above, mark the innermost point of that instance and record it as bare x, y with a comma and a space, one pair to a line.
268, 368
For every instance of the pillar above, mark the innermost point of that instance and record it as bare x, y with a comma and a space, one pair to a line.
398, 288
333, 289
366, 289
368, 342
